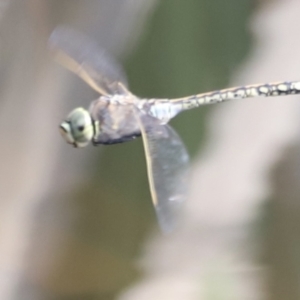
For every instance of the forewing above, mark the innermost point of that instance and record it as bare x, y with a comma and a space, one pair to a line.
85, 58
167, 166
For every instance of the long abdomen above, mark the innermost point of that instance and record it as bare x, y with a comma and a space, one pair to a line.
248, 91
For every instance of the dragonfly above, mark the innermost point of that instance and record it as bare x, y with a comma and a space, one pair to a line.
119, 116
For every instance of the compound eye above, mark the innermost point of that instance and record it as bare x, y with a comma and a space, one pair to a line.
80, 128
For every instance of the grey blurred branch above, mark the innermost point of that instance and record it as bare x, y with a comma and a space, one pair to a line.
33, 92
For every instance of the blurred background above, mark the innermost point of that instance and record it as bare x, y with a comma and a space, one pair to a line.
79, 223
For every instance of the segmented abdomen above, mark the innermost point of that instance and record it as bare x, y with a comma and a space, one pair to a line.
248, 91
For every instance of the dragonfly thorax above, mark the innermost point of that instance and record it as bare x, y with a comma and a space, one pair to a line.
116, 116
78, 129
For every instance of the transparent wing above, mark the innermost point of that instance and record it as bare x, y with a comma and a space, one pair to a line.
85, 58
167, 166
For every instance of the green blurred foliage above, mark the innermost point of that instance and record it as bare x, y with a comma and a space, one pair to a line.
190, 47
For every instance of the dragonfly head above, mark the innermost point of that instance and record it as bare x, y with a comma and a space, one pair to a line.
79, 128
